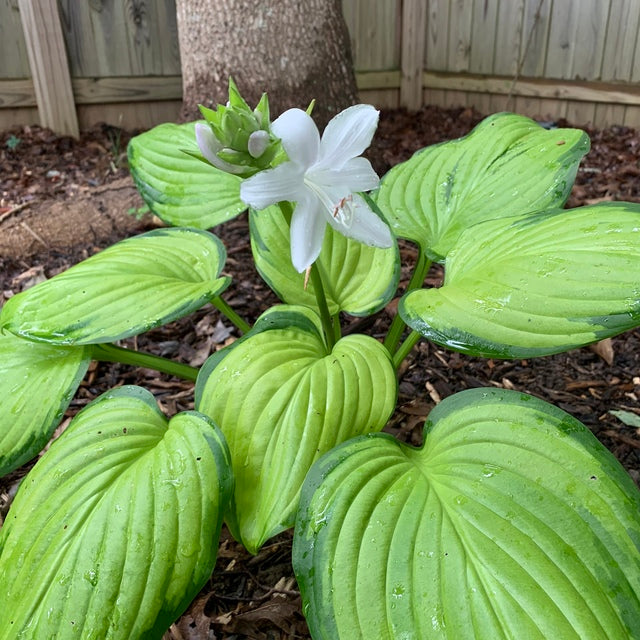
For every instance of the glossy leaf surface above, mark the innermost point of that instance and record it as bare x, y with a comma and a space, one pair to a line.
282, 400
535, 285
506, 166
512, 521
358, 279
179, 187
115, 529
37, 382
135, 285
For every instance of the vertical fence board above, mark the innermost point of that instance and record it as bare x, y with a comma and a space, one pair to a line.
588, 43
608, 114
620, 43
562, 33
508, 43
414, 22
14, 62
374, 28
435, 58
459, 39
124, 38
537, 18
49, 66
483, 35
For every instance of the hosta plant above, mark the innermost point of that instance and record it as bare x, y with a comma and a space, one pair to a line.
510, 521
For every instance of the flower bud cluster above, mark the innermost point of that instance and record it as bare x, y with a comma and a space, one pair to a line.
235, 138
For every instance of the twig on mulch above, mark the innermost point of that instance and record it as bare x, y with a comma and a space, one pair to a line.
632, 442
13, 210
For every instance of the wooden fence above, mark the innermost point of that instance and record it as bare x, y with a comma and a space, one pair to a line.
64, 62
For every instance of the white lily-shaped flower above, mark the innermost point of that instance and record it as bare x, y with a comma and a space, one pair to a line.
322, 177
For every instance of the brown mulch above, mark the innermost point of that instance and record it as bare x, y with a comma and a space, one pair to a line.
256, 596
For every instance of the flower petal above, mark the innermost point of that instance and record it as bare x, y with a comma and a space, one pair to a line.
347, 135
307, 232
284, 182
209, 146
299, 135
356, 175
366, 226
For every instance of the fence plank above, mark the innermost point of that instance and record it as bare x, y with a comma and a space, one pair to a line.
624, 18
589, 39
374, 28
483, 35
437, 35
13, 53
459, 40
560, 90
535, 30
17, 93
508, 41
414, 22
49, 66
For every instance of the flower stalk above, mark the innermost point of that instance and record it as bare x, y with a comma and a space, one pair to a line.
113, 353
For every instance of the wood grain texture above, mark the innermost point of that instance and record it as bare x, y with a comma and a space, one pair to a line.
483, 35
121, 37
509, 39
375, 30
49, 66
535, 31
459, 36
17, 93
620, 93
437, 41
414, 21
621, 40
14, 62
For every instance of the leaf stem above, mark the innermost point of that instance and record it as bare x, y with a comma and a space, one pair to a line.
231, 315
327, 321
405, 348
337, 332
397, 324
113, 353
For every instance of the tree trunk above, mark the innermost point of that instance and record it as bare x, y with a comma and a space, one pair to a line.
295, 50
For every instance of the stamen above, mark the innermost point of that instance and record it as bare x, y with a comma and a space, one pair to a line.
343, 211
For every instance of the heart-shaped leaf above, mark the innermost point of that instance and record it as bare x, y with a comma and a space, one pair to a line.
358, 279
132, 286
536, 284
282, 400
506, 166
512, 521
37, 382
115, 529
176, 184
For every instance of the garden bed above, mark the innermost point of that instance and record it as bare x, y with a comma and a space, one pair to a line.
62, 200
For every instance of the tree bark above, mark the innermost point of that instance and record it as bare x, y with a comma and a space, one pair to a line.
295, 50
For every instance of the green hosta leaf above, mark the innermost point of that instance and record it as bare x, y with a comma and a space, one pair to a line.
536, 284
357, 278
512, 521
132, 286
37, 382
178, 186
116, 528
506, 166
282, 400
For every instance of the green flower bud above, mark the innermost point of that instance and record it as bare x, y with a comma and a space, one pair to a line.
240, 140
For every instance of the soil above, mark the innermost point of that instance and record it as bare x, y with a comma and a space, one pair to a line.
62, 200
